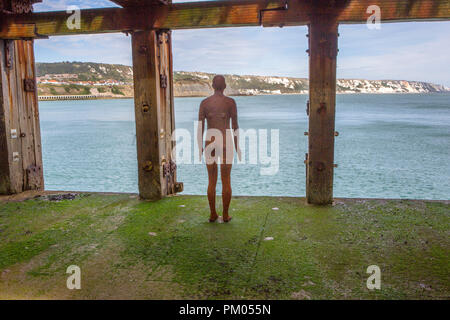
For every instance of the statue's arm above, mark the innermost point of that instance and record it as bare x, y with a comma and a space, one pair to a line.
201, 127
235, 127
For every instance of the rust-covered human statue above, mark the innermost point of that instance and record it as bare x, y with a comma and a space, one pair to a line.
219, 110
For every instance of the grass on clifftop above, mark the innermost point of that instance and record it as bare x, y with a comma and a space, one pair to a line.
127, 248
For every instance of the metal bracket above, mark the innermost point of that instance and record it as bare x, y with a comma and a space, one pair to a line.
282, 8
307, 108
163, 81
179, 187
173, 167
9, 53
319, 165
163, 37
23, 6
34, 176
166, 170
169, 169
38, 35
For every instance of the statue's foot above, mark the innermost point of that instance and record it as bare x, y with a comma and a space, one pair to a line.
213, 218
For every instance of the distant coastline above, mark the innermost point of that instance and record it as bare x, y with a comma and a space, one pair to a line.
81, 80
90, 97
79, 97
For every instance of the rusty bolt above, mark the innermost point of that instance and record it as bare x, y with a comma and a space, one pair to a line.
320, 166
179, 187
148, 166
145, 108
143, 49
322, 107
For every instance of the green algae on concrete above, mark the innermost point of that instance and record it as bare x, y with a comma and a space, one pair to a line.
132, 249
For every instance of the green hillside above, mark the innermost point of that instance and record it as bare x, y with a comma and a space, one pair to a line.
87, 71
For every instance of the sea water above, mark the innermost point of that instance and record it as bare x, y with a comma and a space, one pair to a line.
389, 145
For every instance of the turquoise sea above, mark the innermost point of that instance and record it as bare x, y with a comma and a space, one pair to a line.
390, 145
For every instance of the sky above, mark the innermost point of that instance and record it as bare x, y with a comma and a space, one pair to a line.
399, 51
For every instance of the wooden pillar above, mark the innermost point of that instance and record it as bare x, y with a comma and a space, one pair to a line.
154, 112
323, 38
20, 138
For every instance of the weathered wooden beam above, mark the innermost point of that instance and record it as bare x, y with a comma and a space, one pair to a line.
91, 21
218, 14
212, 14
20, 140
154, 114
355, 11
174, 16
323, 38
139, 3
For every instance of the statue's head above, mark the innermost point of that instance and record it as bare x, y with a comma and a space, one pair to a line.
219, 83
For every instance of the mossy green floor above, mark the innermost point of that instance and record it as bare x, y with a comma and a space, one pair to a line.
128, 248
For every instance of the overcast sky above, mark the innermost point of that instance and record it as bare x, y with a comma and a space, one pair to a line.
400, 51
